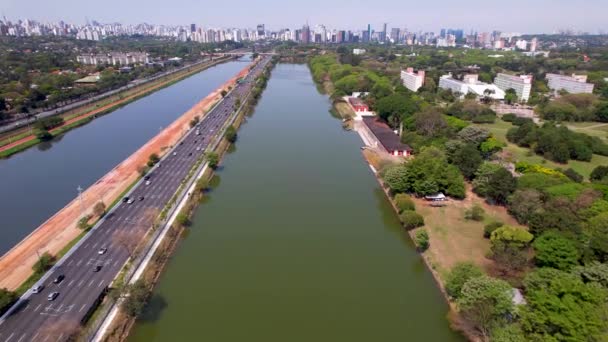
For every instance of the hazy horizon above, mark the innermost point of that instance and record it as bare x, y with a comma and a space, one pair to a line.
542, 16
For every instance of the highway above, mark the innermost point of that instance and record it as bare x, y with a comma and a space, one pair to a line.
38, 319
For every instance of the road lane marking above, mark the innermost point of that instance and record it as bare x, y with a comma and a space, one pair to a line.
60, 337
95, 245
38, 307
115, 263
100, 282
80, 283
25, 308
71, 282
91, 283
85, 245
71, 262
79, 262
34, 338
82, 307
21, 338
9, 338
46, 338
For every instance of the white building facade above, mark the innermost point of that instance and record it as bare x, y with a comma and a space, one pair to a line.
470, 84
521, 84
575, 84
412, 80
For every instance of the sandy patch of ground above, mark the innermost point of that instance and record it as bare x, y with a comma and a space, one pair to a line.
60, 229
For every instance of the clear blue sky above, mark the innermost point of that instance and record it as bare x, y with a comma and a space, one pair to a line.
526, 16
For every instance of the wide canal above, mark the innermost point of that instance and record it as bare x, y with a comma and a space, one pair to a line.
297, 243
38, 182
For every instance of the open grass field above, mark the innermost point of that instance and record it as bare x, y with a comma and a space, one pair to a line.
514, 153
454, 239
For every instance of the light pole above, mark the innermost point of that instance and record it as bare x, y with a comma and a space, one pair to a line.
81, 200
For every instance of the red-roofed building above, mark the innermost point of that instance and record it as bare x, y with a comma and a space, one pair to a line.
381, 135
358, 105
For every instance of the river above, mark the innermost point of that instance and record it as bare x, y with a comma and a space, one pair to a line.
40, 181
298, 243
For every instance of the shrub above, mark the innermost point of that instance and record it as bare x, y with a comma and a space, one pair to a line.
404, 202
476, 213
421, 239
509, 117
411, 219
459, 275
599, 173
556, 251
573, 175
490, 227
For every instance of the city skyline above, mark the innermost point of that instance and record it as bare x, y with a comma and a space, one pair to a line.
542, 16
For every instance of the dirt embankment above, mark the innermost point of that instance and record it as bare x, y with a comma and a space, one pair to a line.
60, 229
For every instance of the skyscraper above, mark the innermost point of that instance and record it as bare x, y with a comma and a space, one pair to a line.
383, 36
261, 31
192, 27
369, 32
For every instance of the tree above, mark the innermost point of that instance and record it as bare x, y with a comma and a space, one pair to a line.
599, 173
421, 239
560, 307
430, 122
153, 159
99, 209
508, 333
467, 159
476, 213
231, 134
573, 175
404, 202
213, 159
510, 96
595, 272
501, 185
459, 275
397, 105
482, 178
6, 298
509, 248
194, 121
489, 228
44, 135
474, 135
396, 177
555, 250
524, 203
182, 219
597, 228
484, 301
135, 298
83, 223
411, 219
601, 112
224, 93
44, 263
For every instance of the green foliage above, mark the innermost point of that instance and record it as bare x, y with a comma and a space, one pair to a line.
475, 213
524, 203
153, 159
508, 333
213, 159
83, 223
421, 239
396, 105
556, 251
44, 263
471, 110
194, 121
43, 135
6, 299
485, 301
568, 190
459, 275
427, 174
560, 307
182, 219
135, 298
594, 272
491, 146
573, 175
404, 202
482, 177
509, 247
500, 186
231, 134
597, 229
571, 107
467, 159
599, 173
224, 93
539, 181
411, 219
491, 227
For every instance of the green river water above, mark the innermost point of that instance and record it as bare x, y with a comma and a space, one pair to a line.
297, 243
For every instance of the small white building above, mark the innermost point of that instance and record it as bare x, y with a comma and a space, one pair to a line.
471, 84
412, 80
575, 84
358, 51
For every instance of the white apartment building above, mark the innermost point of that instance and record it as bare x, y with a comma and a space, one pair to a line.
411, 80
114, 58
575, 84
521, 84
470, 84
358, 51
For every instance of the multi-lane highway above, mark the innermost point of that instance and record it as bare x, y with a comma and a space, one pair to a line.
39, 319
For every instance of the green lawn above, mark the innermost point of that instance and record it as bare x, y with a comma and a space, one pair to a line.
499, 130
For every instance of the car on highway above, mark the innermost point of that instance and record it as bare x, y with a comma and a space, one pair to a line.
141, 198
174, 153
125, 199
147, 177
189, 154
38, 288
148, 182
58, 279
198, 148
52, 296
97, 268
102, 250
130, 201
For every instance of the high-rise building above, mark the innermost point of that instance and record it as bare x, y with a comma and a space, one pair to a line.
306, 34
411, 80
192, 27
261, 31
521, 84
395, 34
575, 84
383, 35
369, 32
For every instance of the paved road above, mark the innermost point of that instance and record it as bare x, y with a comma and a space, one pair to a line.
38, 319
70, 106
